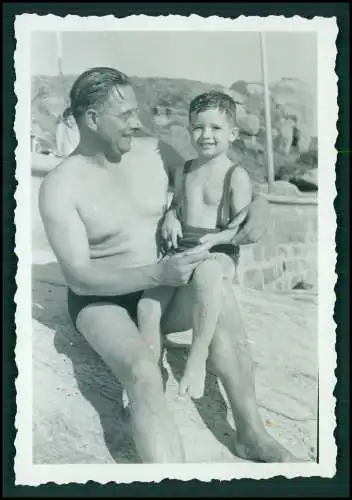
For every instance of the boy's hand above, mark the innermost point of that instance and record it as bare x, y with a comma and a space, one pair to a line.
171, 229
208, 241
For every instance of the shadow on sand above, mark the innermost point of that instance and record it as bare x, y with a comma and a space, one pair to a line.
97, 383
212, 407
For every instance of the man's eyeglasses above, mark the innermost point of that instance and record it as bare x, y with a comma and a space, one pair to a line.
128, 115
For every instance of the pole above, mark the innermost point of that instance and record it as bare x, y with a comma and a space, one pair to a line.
59, 51
268, 131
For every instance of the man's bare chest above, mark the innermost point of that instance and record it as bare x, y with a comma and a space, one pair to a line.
108, 204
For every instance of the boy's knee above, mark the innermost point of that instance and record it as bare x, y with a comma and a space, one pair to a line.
208, 271
227, 265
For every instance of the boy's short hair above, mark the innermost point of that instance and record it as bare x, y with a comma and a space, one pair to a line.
214, 100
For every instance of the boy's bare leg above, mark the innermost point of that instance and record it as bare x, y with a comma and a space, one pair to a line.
150, 309
206, 286
113, 335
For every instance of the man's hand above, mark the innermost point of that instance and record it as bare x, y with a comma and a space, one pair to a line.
177, 269
256, 223
171, 229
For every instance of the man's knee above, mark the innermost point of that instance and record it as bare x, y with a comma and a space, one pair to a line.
145, 377
148, 308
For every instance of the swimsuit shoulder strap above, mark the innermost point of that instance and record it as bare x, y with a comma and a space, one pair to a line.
187, 166
180, 185
224, 210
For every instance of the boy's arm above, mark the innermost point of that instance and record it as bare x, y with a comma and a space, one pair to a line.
171, 228
241, 197
176, 191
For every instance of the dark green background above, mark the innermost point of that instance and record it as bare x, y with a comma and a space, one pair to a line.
277, 487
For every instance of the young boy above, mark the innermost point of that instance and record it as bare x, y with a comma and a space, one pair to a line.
210, 199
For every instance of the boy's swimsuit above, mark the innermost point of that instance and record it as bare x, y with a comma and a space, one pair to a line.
191, 234
190, 239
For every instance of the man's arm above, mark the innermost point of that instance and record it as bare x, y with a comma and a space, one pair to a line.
67, 235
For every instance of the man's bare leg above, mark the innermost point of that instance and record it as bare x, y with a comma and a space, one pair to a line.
113, 335
231, 360
206, 286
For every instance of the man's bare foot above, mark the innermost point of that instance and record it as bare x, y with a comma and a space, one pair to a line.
263, 448
193, 381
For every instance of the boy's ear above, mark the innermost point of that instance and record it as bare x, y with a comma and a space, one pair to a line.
234, 134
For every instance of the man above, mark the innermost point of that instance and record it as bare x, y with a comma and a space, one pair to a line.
101, 218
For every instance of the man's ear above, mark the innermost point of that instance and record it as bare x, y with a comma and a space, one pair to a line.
90, 118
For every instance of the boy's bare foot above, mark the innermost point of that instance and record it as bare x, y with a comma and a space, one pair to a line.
263, 448
193, 381
125, 400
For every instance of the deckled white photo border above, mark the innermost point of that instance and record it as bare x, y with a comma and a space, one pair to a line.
26, 472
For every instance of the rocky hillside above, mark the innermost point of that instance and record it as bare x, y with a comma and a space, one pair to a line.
163, 109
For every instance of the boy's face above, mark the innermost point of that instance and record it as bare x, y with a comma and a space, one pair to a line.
211, 132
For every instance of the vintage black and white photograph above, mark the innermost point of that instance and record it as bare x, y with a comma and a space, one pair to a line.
175, 238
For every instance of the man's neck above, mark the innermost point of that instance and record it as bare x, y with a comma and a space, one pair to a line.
89, 148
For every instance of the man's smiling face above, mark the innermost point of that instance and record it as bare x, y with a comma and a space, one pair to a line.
117, 121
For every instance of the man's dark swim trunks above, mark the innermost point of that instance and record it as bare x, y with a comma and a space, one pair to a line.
78, 302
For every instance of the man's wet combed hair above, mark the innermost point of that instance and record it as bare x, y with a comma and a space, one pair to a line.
214, 100
92, 88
